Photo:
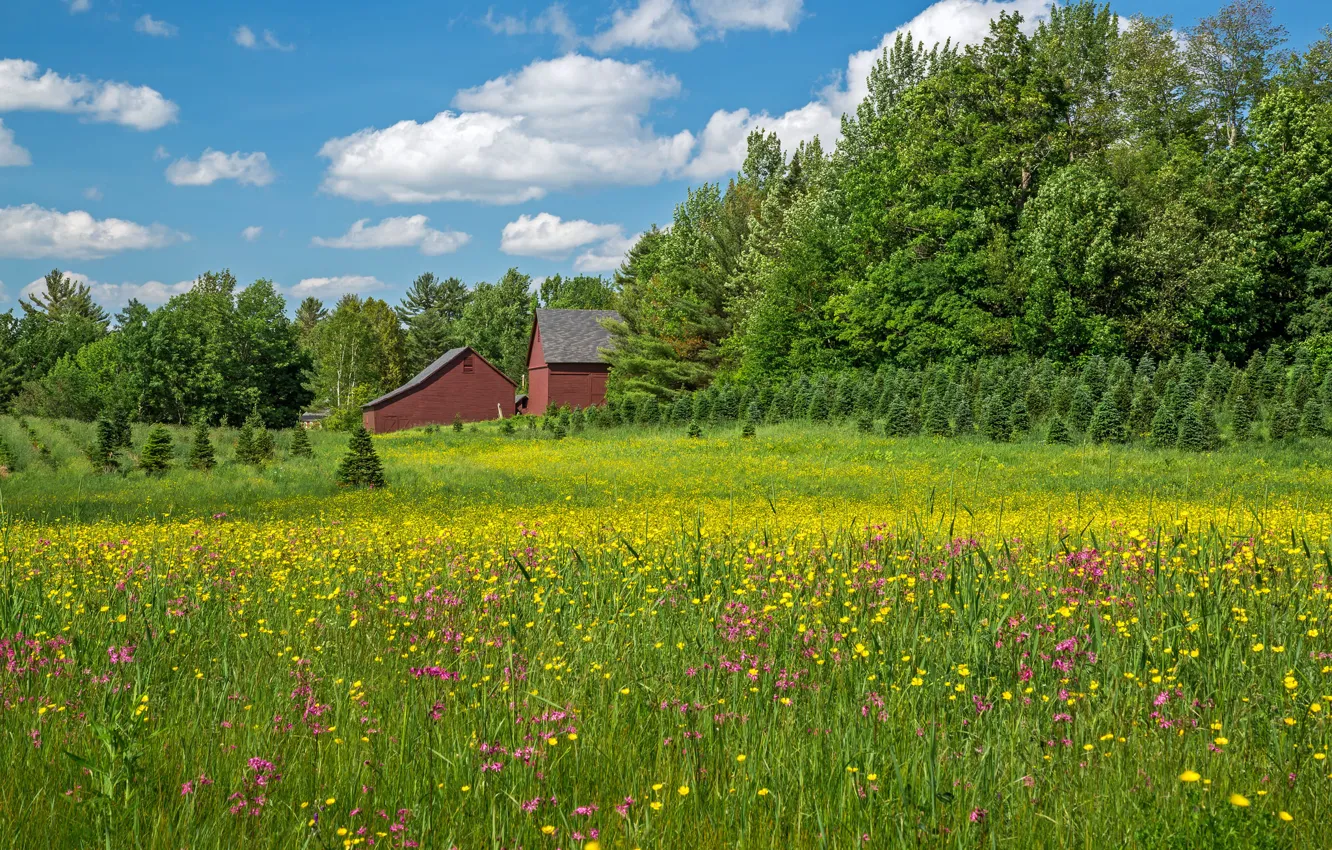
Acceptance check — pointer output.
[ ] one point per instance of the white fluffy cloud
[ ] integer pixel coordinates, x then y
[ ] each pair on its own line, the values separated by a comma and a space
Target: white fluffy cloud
245, 37
554, 124
115, 295
148, 25
401, 232
722, 15
252, 233
652, 23
549, 236
248, 169
77, 6
31, 232
554, 21
23, 88
607, 256
722, 142
331, 287
11, 153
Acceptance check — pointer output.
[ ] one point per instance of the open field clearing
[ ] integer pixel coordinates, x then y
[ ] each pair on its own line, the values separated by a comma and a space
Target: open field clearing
812, 638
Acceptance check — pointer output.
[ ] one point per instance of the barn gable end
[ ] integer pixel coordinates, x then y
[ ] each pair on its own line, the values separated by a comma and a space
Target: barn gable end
460, 384
564, 358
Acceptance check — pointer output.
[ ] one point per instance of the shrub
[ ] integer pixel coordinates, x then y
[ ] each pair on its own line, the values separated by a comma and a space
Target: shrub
1107, 426
898, 419
457, 423
7, 463
1058, 433
1285, 421
158, 452
201, 449
1165, 429
748, 431
1197, 429
300, 443
361, 467
102, 453
694, 431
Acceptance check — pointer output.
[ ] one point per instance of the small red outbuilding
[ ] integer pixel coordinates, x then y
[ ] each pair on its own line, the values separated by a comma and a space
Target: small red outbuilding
564, 365
459, 384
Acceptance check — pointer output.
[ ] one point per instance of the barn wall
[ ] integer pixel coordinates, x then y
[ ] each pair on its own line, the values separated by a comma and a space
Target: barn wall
538, 375
578, 385
476, 396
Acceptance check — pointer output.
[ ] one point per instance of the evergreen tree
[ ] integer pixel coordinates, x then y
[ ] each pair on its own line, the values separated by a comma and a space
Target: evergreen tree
1313, 422
754, 415
1106, 425
820, 404
898, 419
158, 452
1285, 420
201, 448
964, 422
7, 462
457, 423
1142, 410
681, 410
1020, 416
245, 451
694, 431
1058, 433
1081, 408
1197, 429
728, 405
1165, 428
265, 447
749, 430
936, 420
996, 419
300, 443
1242, 415
865, 424
102, 453
361, 467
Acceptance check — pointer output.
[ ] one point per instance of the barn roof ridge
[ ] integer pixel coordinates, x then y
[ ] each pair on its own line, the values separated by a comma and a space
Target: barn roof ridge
441, 363
573, 336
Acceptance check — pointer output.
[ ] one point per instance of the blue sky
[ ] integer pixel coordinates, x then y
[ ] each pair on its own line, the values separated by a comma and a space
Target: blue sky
143, 143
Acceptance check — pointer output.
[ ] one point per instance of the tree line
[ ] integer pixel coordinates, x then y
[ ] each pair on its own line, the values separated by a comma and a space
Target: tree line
221, 353
1100, 187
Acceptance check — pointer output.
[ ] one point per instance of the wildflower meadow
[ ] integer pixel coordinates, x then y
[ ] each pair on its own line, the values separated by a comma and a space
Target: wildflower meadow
814, 637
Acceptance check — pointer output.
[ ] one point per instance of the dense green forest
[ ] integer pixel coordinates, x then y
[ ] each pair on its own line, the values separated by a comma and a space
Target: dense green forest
1092, 188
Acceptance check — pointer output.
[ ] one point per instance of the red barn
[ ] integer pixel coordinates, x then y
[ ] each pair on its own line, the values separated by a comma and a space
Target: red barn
459, 384
564, 365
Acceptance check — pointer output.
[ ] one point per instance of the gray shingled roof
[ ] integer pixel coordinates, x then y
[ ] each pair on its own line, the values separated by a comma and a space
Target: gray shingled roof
574, 336
445, 360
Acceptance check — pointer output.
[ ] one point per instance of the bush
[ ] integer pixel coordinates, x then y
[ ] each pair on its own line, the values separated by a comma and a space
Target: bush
102, 453
457, 423
361, 467
898, 419
1058, 433
300, 443
201, 450
158, 452
694, 431
1197, 429
7, 463
1106, 425
749, 430
1165, 429
506, 427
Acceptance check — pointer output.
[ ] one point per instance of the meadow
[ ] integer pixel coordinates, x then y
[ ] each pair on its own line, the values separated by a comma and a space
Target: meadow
629, 638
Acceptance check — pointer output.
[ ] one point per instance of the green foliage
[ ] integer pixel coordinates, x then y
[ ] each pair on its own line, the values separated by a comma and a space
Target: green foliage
694, 431
497, 322
158, 452
1058, 432
748, 430
1197, 429
1107, 425
102, 454
361, 467
7, 462
1081, 409
897, 420
1285, 421
300, 443
254, 443
457, 423
201, 456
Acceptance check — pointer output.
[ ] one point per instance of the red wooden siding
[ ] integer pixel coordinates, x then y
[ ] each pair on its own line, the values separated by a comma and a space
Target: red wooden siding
562, 384
469, 387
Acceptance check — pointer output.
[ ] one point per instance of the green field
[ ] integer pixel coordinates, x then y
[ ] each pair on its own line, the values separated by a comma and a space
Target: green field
631, 638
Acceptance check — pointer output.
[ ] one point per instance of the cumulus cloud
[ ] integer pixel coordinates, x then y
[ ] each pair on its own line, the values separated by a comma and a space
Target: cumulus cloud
252, 233
722, 15
245, 37
148, 25
401, 232
30, 232
722, 142
11, 153
652, 23
248, 169
114, 295
606, 257
23, 88
554, 21
554, 124
331, 287
551, 237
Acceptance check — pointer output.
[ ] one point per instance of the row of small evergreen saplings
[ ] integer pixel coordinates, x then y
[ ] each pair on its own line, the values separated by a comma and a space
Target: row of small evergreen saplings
255, 446
359, 467
1184, 402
